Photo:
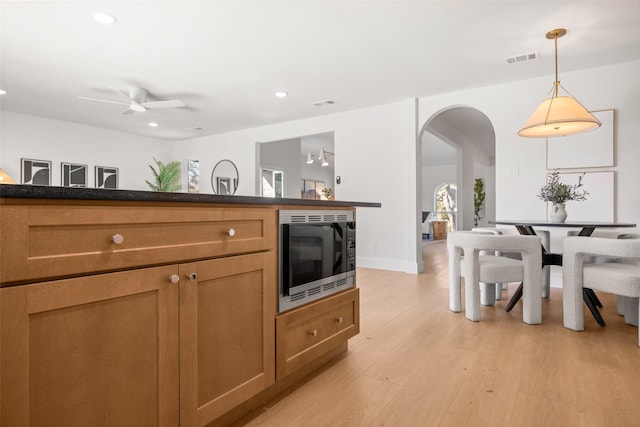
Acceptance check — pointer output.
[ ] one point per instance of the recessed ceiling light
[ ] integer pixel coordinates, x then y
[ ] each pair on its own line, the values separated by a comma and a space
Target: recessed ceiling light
281, 94
153, 124
3, 92
104, 18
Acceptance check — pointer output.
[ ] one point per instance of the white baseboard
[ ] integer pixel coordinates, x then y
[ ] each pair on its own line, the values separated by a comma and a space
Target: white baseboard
390, 264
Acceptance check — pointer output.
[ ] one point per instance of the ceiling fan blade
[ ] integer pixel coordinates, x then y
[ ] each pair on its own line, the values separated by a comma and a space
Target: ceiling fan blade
102, 100
119, 91
164, 104
128, 111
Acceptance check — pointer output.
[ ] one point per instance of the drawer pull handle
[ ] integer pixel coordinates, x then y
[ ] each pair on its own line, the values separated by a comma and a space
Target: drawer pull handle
339, 319
117, 239
231, 232
192, 276
174, 278
313, 332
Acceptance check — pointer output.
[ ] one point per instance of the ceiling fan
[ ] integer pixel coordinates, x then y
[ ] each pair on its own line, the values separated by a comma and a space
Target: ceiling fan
138, 101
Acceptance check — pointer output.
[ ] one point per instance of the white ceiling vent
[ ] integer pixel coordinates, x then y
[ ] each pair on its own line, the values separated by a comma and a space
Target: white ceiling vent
324, 102
522, 58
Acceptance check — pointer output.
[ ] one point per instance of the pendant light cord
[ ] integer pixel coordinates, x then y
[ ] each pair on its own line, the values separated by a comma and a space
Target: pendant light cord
557, 84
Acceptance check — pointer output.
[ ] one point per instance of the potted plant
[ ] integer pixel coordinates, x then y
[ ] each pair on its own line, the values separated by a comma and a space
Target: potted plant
328, 193
478, 200
558, 194
167, 176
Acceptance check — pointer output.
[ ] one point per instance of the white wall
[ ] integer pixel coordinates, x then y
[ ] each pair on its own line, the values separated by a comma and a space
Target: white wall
371, 156
24, 136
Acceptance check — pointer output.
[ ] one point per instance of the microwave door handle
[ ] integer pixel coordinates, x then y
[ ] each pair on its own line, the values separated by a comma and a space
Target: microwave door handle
285, 260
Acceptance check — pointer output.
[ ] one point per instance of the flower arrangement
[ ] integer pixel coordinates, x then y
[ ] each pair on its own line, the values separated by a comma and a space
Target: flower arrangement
556, 192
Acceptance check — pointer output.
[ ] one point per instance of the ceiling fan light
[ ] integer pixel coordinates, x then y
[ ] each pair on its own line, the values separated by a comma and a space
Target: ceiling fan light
559, 116
137, 107
309, 158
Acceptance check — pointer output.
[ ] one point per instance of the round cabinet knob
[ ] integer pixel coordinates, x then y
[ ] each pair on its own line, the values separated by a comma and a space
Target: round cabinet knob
339, 319
231, 232
192, 276
174, 278
314, 333
117, 239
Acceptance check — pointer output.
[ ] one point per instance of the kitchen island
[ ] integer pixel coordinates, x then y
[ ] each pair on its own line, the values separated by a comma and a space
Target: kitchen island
139, 308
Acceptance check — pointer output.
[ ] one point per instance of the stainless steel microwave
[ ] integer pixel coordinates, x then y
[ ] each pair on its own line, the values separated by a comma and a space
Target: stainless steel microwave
317, 255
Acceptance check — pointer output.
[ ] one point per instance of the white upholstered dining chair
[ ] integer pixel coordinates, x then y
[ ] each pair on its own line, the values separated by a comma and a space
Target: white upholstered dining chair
465, 261
621, 277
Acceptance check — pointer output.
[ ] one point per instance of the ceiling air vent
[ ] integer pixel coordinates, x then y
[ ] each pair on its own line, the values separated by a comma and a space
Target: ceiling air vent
324, 102
522, 58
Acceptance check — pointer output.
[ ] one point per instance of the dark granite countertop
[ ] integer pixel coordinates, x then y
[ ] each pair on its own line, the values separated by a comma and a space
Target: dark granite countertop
17, 191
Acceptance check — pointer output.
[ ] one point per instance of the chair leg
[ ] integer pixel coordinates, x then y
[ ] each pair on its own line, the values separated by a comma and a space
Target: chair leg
546, 281
487, 293
591, 304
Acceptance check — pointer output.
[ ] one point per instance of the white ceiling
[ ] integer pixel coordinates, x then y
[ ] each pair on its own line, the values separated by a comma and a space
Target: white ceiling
225, 60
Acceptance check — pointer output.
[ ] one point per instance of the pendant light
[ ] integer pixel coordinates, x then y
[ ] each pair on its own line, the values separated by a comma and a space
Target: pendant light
558, 115
323, 158
309, 158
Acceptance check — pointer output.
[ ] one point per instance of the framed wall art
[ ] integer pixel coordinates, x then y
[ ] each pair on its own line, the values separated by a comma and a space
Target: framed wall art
106, 177
584, 150
73, 175
600, 203
35, 172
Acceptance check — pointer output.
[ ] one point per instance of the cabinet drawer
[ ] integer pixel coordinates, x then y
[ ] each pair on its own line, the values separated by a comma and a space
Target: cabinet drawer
52, 241
310, 331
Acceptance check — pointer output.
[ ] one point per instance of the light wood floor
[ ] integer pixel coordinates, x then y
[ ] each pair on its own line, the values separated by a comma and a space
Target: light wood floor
415, 363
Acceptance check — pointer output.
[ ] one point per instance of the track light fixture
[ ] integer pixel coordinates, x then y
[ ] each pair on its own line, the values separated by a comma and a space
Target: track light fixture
323, 157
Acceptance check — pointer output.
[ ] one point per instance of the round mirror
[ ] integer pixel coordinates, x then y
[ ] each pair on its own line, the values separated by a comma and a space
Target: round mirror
224, 178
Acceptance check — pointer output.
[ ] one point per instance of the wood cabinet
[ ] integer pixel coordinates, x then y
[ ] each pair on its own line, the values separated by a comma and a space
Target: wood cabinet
306, 333
149, 314
99, 350
62, 240
227, 307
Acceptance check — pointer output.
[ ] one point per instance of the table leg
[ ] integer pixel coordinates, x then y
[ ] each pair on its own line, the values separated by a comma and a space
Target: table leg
515, 298
592, 306
590, 297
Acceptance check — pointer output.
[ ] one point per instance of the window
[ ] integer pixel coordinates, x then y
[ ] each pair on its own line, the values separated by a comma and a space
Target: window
272, 183
446, 208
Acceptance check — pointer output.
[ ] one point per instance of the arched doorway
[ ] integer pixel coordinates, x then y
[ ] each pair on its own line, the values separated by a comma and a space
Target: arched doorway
457, 145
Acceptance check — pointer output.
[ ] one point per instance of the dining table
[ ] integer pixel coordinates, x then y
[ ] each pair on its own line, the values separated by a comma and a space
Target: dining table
526, 227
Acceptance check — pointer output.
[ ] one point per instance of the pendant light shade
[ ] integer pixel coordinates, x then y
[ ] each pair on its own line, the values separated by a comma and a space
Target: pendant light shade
309, 158
558, 115
323, 158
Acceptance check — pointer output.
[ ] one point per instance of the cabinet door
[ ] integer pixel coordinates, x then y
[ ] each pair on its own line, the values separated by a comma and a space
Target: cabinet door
91, 351
227, 333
